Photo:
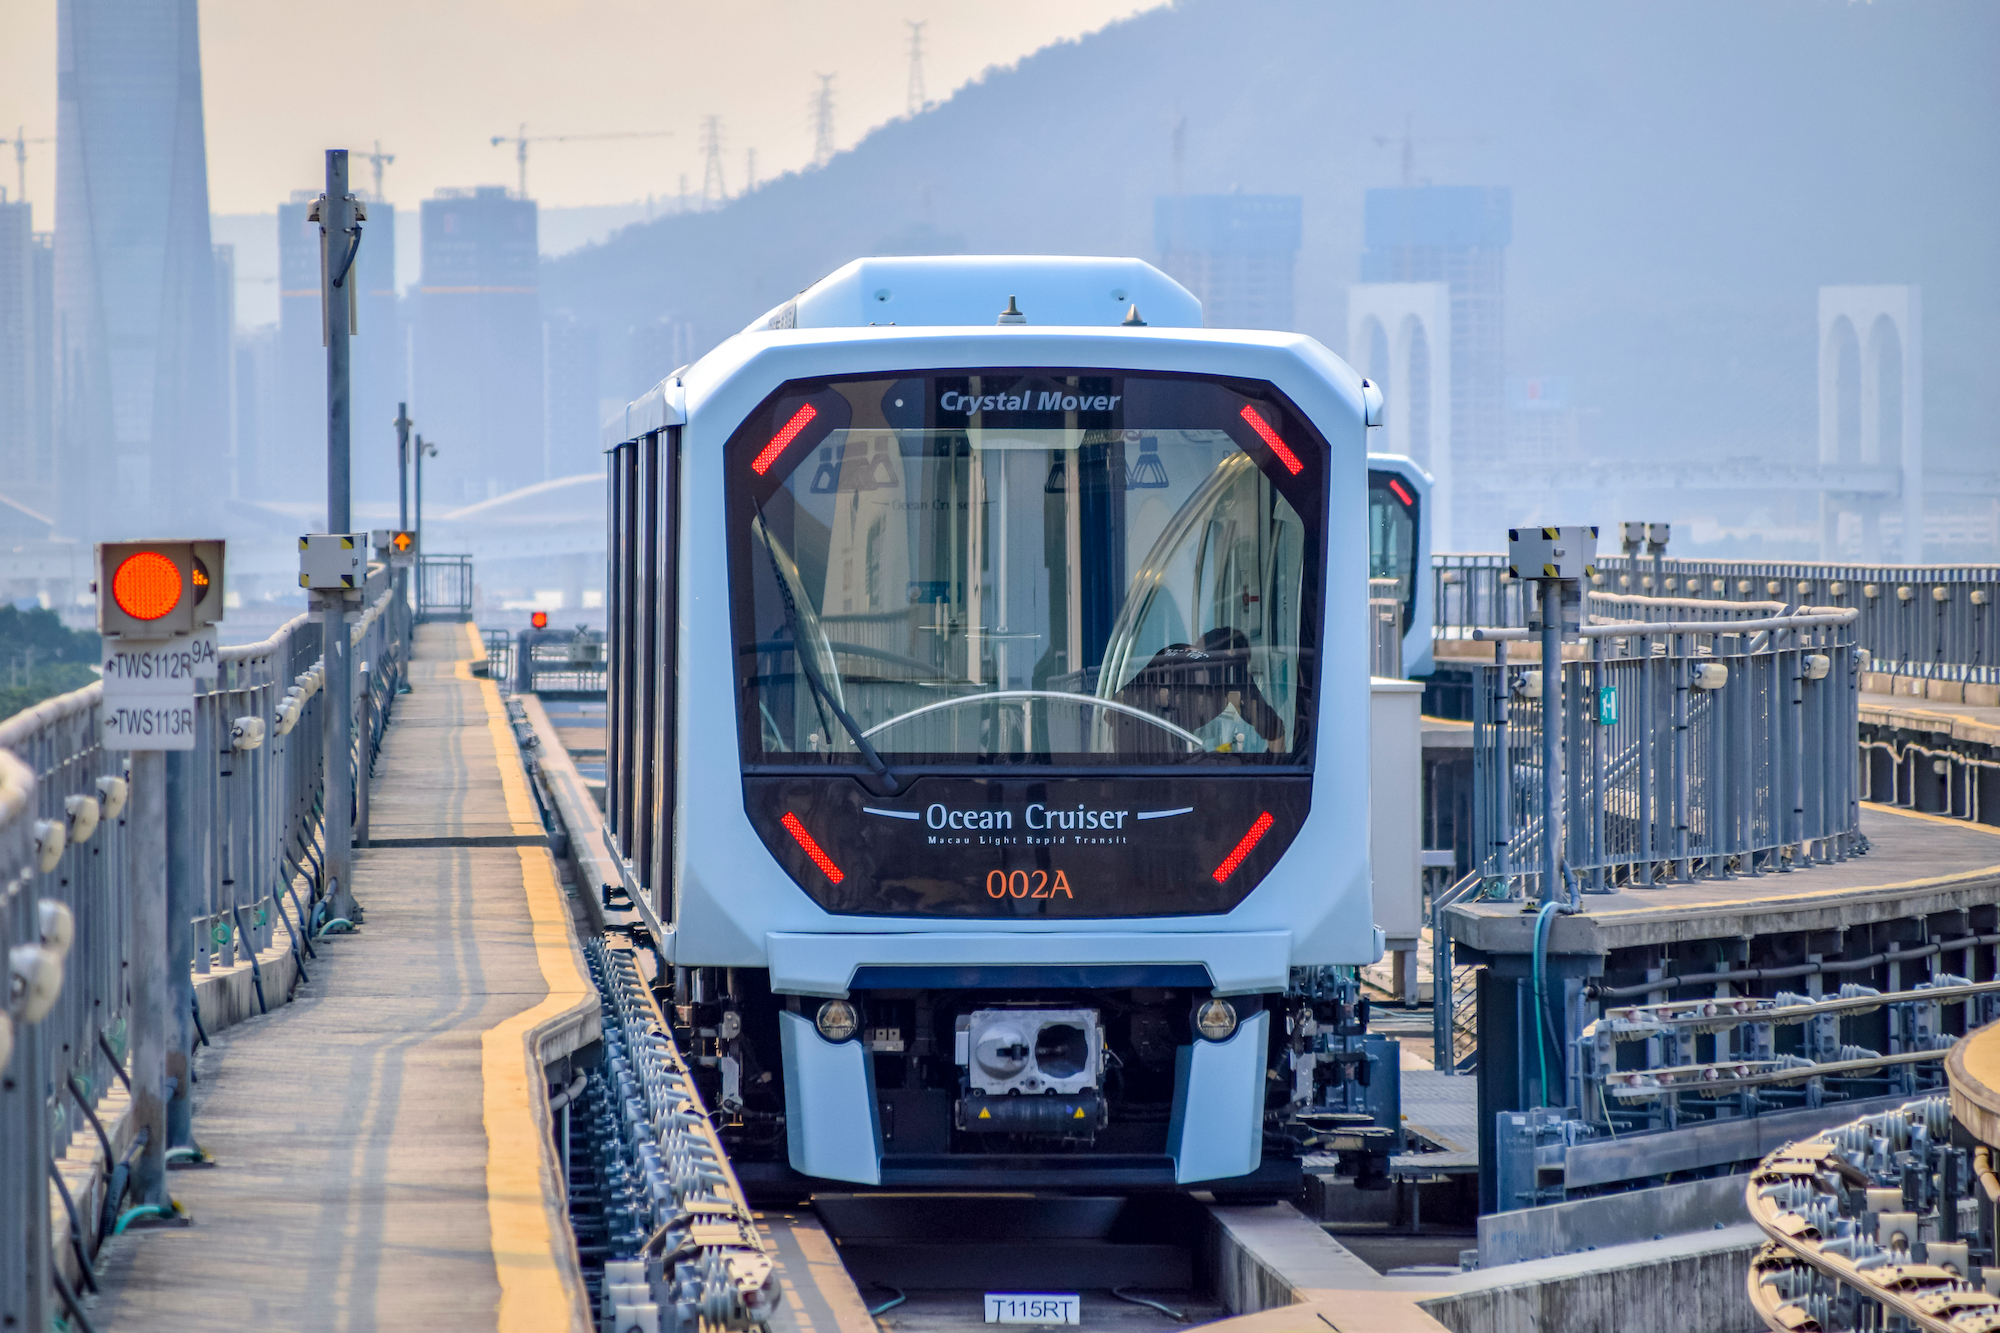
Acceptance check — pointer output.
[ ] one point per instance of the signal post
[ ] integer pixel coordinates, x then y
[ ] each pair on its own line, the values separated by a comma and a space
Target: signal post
340, 216
157, 605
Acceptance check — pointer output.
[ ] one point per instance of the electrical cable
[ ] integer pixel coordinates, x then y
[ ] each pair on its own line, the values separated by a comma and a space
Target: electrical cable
1122, 1294
75, 1228
90, 1115
1542, 919
887, 1305
69, 1299
117, 1065
353, 249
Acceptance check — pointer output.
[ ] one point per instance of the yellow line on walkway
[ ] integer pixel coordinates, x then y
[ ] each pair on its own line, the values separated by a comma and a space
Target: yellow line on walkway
513, 773
1933, 819
476, 645
533, 1251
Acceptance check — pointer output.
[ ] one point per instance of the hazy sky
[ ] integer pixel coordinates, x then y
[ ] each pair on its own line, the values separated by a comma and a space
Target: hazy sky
434, 80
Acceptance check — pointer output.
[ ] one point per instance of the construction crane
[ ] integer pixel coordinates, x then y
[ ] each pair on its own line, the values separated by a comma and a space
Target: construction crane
21, 142
378, 160
523, 139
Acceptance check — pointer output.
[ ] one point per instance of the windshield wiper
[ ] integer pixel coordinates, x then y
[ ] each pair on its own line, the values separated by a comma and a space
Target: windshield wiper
810, 667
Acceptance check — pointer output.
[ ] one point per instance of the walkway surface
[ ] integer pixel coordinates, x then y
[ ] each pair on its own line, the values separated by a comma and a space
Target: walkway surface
1916, 864
383, 1155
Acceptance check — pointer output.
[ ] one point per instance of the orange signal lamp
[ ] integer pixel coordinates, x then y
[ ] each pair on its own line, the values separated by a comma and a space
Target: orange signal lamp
147, 585
540, 620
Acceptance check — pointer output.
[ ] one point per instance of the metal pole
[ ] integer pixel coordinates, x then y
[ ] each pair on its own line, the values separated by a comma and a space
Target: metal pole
152, 992
403, 424
182, 906
1552, 720
339, 230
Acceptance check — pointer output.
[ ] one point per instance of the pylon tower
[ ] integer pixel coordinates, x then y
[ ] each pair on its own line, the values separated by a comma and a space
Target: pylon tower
713, 191
822, 115
917, 100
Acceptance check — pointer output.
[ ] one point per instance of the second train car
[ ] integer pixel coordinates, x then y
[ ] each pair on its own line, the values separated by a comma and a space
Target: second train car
988, 724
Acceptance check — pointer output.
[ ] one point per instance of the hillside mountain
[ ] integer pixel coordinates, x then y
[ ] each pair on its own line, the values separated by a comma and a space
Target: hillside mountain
1684, 176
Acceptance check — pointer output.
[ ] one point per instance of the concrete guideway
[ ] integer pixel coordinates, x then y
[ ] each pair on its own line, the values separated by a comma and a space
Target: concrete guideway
384, 1149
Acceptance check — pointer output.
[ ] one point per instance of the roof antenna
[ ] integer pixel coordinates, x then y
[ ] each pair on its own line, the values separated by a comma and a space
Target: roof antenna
1012, 314
1132, 320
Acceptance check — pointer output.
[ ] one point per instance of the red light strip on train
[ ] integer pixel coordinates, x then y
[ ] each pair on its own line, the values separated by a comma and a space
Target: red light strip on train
779, 442
1270, 437
1250, 839
820, 858
1401, 494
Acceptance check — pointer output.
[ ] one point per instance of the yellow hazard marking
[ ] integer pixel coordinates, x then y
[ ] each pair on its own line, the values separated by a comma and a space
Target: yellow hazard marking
985, 1114
513, 773
1549, 571
1551, 534
532, 1246
1079, 1113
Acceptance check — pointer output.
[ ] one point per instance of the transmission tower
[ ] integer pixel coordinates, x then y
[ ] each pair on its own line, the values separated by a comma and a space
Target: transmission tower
713, 191
822, 116
916, 95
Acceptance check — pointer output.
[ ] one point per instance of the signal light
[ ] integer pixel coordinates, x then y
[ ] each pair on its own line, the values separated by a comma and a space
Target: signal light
540, 620
147, 585
157, 590
1401, 494
1250, 839
812, 849
782, 440
1270, 437
401, 542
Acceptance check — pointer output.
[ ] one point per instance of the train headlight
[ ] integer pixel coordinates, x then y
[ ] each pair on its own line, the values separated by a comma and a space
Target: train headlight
1215, 1020
837, 1020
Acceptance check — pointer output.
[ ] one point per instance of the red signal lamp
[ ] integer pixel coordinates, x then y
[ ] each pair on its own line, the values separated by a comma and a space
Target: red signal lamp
540, 620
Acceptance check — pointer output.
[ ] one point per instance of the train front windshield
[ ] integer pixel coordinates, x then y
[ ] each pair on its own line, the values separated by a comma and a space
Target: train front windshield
1392, 536
1061, 568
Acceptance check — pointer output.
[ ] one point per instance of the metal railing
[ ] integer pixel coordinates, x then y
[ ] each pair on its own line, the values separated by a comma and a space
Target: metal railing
1937, 622
1694, 748
554, 662
444, 587
242, 814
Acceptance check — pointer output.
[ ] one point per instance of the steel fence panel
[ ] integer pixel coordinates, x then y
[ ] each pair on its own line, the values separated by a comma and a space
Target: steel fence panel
250, 792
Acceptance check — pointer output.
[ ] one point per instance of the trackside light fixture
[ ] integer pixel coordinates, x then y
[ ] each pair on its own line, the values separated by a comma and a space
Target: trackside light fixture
783, 439
812, 849
1242, 849
837, 1020
146, 585
1270, 437
157, 590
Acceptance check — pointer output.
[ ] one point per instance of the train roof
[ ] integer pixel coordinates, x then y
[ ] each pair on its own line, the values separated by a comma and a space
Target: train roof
928, 290
756, 362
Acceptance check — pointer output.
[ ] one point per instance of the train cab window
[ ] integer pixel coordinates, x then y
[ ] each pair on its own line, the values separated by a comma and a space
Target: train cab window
1392, 536
1065, 567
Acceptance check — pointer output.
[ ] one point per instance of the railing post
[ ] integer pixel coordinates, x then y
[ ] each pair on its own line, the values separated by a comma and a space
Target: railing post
1681, 669
151, 988
183, 839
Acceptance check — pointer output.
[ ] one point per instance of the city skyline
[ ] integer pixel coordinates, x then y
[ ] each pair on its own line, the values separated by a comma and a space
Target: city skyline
545, 66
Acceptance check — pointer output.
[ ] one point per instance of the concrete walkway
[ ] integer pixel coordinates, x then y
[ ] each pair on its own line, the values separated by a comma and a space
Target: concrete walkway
382, 1144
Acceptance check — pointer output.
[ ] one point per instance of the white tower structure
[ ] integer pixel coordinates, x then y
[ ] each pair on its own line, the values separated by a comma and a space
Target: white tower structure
1399, 335
1871, 412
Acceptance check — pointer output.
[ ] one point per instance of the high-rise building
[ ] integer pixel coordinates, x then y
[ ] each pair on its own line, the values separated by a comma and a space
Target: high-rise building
27, 362
1457, 235
296, 463
476, 379
571, 368
1234, 251
140, 398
